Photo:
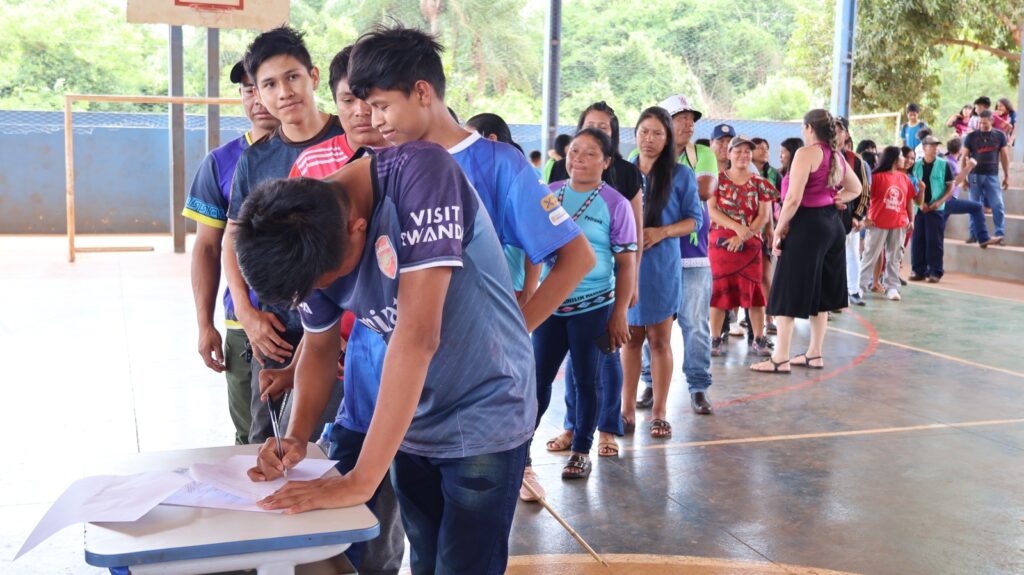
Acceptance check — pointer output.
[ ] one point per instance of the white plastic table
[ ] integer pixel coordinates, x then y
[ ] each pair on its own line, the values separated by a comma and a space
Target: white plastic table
191, 541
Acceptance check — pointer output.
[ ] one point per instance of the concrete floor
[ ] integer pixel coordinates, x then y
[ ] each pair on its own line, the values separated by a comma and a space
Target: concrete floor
904, 456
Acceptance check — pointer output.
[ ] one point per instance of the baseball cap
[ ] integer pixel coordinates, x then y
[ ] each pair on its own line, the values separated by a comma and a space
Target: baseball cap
723, 131
237, 72
930, 140
679, 103
741, 141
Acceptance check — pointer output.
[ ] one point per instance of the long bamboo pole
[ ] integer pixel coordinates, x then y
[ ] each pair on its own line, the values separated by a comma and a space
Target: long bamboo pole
565, 524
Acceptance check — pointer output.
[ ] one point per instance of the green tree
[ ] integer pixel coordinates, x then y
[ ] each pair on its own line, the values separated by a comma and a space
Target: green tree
780, 98
900, 44
78, 46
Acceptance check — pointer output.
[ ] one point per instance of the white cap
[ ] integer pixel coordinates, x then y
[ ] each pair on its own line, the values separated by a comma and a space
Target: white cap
679, 103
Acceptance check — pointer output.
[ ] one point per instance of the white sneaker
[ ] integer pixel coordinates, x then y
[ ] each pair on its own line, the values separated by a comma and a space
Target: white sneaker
892, 294
736, 330
530, 478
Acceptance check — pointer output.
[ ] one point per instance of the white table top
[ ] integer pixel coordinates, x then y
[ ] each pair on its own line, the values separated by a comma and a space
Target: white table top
171, 533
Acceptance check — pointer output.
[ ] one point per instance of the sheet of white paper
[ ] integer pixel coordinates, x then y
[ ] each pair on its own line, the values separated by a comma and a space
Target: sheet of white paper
197, 494
230, 476
105, 498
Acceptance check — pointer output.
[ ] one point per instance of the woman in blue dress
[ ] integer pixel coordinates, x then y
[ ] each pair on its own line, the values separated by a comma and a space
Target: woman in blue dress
671, 210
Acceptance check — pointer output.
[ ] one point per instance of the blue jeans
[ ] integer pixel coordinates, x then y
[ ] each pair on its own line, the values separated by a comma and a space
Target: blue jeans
458, 512
978, 227
576, 335
693, 317
384, 553
926, 245
986, 189
609, 394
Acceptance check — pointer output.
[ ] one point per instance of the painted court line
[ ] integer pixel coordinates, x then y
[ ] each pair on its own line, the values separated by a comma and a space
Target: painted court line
868, 352
874, 337
856, 432
970, 293
524, 564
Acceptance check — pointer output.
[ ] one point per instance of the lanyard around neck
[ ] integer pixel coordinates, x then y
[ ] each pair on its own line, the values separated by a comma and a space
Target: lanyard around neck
586, 203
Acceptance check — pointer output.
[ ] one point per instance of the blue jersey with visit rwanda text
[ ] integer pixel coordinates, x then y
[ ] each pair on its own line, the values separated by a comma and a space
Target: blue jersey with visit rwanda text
480, 392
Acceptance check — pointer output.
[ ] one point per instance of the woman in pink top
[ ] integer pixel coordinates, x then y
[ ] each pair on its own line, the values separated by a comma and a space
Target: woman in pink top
810, 242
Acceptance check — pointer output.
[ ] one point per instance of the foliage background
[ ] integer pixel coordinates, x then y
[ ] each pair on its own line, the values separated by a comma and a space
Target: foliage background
736, 59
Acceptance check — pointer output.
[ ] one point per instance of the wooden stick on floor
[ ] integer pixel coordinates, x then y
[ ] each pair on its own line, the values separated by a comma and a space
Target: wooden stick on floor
564, 524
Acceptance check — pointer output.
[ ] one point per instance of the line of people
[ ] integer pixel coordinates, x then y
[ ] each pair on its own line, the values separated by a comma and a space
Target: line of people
329, 228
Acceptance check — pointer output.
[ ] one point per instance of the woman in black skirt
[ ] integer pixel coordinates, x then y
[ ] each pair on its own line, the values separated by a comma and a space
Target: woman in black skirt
810, 242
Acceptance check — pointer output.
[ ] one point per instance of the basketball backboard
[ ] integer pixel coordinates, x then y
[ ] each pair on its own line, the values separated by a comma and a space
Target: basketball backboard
251, 14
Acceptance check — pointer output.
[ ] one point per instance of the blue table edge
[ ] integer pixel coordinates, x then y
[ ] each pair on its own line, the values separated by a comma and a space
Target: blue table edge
232, 548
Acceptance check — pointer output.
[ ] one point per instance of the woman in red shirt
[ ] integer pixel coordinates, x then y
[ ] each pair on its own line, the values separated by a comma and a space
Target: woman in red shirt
739, 210
890, 217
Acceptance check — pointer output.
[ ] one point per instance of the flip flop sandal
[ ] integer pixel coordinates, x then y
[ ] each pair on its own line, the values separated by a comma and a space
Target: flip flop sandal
578, 467
607, 449
807, 361
628, 426
774, 369
660, 429
559, 443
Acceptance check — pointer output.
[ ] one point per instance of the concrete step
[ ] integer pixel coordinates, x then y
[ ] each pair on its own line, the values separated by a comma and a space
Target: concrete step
957, 227
1000, 262
1013, 199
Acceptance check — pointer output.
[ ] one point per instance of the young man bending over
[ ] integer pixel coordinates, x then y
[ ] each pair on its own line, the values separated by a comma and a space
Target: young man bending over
399, 237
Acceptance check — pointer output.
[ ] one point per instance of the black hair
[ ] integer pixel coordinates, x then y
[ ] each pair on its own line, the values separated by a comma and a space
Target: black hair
983, 101
395, 58
289, 234
339, 69
824, 126
488, 123
986, 113
535, 155
864, 145
702, 142
953, 146
758, 141
659, 180
281, 41
923, 133
561, 143
905, 151
604, 108
887, 161
913, 108
791, 145
603, 141
1007, 104
870, 158
453, 115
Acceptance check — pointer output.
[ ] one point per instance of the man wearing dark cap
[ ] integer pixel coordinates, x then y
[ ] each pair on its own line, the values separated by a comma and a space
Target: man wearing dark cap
926, 246
207, 205
721, 135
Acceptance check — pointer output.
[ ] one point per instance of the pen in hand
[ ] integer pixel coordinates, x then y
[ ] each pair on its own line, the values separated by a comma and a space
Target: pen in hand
277, 433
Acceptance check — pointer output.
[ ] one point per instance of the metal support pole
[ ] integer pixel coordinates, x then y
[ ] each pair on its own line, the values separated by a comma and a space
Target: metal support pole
552, 71
212, 87
1018, 148
177, 143
842, 56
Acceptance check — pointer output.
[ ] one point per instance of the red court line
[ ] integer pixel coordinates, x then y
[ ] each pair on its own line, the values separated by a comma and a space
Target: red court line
868, 352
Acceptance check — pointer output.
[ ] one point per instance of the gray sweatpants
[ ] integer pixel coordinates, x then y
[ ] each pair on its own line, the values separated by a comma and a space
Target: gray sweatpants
878, 242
